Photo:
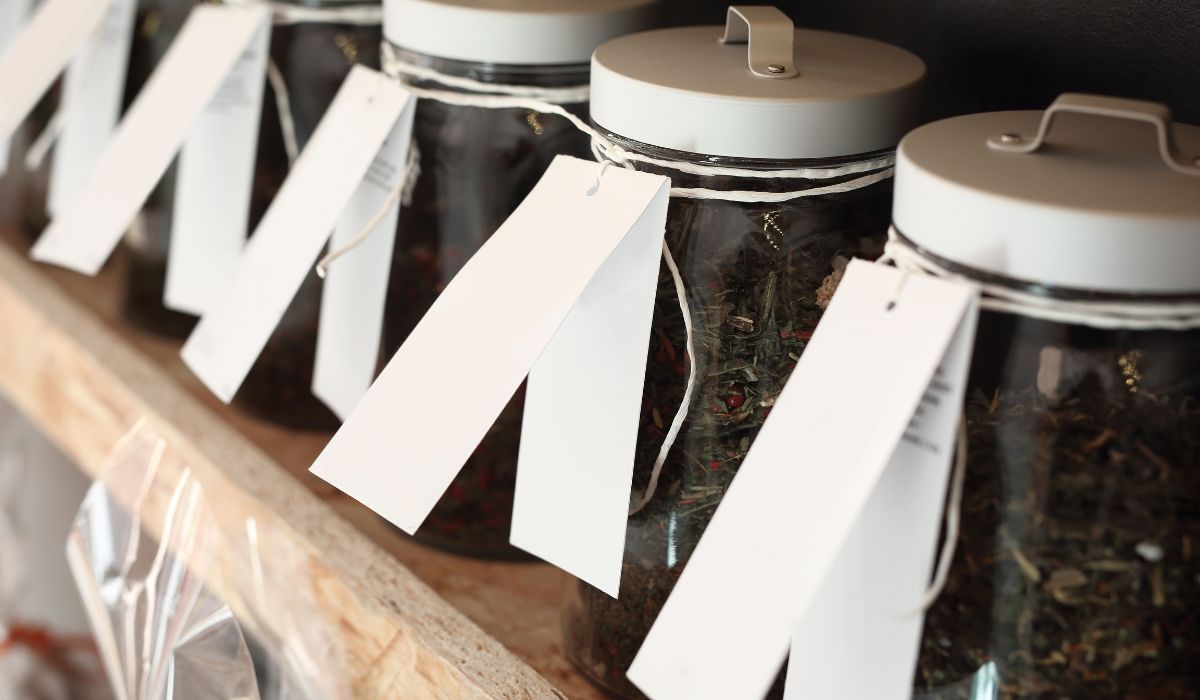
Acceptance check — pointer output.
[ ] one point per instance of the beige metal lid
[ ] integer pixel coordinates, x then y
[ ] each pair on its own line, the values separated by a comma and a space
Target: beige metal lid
514, 32
757, 88
1095, 193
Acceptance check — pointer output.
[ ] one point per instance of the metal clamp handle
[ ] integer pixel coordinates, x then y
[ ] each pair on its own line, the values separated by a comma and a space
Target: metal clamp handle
1153, 113
769, 35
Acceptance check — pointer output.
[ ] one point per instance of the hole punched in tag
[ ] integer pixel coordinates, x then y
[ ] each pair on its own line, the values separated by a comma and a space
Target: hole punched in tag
896, 292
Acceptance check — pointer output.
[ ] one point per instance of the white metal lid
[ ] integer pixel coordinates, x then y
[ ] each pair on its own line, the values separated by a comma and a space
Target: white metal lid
514, 32
761, 90
1095, 193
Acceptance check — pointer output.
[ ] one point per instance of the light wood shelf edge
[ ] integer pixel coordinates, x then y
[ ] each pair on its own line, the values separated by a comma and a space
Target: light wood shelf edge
86, 386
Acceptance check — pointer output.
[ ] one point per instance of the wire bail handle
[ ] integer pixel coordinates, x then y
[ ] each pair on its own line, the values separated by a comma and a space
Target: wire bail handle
1153, 113
769, 36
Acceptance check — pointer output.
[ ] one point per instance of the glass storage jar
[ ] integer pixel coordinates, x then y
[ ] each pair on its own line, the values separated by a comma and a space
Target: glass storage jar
312, 57
757, 274
1076, 573
476, 165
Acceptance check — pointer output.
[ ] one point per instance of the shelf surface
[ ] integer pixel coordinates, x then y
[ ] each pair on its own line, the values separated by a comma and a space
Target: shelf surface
415, 622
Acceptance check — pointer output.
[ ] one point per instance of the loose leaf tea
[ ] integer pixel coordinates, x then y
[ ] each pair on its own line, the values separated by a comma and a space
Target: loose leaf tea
1076, 573
477, 166
758, 278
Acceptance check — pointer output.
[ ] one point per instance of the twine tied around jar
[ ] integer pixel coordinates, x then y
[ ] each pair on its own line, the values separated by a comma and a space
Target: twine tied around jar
1104, 314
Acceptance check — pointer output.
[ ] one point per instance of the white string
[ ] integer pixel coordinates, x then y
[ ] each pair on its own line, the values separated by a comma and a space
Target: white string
283, 105
681, 414
1106, 315
402, 191
953, 524
399, 69
283, 13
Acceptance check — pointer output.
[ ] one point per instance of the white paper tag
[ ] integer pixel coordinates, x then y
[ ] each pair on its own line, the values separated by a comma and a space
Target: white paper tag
214, 184
478, 342
868, 605
154, 128
814, 466
31, 62
12, 18
579, 431
355, 290
282, 250
93, 89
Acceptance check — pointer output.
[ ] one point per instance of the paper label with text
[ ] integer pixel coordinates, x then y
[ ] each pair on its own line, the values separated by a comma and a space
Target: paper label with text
92, 94
868, 605
281, 252
208, 47
478, 342
32, 61
214, 184
356, 284
837, 427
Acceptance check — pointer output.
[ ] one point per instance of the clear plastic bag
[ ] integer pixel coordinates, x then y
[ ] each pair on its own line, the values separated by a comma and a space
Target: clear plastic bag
162, 572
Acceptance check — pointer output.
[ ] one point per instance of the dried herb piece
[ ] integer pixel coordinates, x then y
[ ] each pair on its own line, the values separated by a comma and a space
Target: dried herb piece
758, 277
477, 166
1076, 574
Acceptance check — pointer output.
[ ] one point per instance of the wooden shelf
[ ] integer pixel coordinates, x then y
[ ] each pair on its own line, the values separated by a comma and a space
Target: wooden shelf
414, 622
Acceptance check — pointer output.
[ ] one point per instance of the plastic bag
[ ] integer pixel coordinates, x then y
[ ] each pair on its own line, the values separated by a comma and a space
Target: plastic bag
149, 554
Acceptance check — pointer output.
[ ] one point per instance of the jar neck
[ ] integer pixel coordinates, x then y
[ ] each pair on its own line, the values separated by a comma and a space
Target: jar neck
728, 182
1043, 290
548, 76
669, 154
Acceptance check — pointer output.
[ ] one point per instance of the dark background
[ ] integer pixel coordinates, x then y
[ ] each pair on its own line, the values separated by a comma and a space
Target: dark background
986, 55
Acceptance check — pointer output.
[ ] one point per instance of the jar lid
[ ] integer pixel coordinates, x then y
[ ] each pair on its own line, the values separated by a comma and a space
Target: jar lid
757, 88
1095, 193
513, 32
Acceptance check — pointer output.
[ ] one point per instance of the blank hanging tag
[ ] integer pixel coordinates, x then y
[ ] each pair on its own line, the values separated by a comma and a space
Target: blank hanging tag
282, 250
470, 353
83, 236
355, 289
13, 14
92, 94
214, 184
805, 482
39, 53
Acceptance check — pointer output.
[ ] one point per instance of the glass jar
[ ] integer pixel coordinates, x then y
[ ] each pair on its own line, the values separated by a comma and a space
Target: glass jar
1075, 573
477, 165
758, 276
313, 59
